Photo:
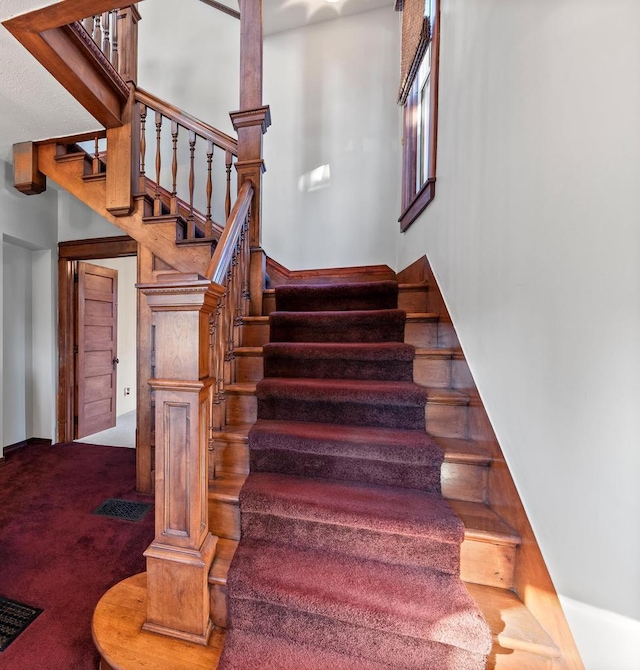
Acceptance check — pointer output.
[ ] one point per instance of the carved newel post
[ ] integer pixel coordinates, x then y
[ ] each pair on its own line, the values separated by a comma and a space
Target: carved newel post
180, 556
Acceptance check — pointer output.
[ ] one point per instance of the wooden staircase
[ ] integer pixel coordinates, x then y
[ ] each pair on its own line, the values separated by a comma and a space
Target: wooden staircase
212, 366
491, 551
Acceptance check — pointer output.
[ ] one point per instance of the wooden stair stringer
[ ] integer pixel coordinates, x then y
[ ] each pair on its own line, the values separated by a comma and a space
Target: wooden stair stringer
532, 582
160, 239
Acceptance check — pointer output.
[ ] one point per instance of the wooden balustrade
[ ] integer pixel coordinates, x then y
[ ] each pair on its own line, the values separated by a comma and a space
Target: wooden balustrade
114, 32
189, 168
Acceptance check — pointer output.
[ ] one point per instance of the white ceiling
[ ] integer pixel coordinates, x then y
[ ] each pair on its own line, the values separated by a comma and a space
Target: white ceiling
33, 105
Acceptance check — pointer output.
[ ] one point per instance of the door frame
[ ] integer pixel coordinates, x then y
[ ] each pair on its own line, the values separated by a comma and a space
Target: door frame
68, 254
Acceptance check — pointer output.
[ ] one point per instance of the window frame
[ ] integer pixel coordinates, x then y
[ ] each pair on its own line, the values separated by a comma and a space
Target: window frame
415, 200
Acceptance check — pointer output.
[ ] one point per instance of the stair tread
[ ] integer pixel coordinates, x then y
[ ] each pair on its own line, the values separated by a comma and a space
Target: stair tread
483, 524
247, 351
513, 625
384, 509
444, 396
434, 352
405, 445
367, 593
417, 317
226, 487
225, 551
459, 450
241, 388
234, 432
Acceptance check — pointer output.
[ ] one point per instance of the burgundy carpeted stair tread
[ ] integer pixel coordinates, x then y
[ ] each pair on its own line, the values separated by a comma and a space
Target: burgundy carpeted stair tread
391, 361
391, 457
331, 297
338, 589
244, 650
356, 326
395, 525
354, 402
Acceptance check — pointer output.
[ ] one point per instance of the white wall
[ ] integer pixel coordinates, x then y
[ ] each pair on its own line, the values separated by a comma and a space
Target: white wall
28, 229
190, 57
127, 339
332, 89
76, 221
534, 236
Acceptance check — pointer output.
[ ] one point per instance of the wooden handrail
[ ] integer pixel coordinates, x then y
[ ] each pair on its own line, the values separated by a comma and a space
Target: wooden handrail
189, 122
219, 264
222, 8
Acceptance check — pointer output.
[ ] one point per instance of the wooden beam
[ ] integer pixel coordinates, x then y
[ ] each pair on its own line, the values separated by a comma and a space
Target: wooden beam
27, 178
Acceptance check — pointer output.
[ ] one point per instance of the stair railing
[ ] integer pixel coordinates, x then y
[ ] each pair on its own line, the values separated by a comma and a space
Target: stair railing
162, 127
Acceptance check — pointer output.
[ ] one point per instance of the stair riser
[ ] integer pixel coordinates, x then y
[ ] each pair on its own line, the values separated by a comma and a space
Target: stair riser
344, 413
356, 332
412, 299
347, 638
255, 334
218, 604
432, 372
357, 542
401, 371
241, 408
249, 368
488, 564
422, 335
461, 481
224, 519
461, 377
347, 469
268, 303
446, 420
231, 457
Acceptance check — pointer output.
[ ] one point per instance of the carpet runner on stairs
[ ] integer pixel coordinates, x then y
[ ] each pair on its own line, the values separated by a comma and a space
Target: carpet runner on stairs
349, 557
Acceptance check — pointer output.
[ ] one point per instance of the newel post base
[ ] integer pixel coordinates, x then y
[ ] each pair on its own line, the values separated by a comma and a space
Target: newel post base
180, 557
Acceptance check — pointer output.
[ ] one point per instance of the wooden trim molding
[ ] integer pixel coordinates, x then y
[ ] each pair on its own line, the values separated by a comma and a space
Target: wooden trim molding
68, 254
533, 583
222, 8
415, 200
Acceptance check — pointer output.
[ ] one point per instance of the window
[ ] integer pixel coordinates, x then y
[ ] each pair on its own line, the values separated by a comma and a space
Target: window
419, 94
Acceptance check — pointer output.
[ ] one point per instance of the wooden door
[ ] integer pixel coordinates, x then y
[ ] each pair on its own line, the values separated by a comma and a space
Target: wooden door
96, 364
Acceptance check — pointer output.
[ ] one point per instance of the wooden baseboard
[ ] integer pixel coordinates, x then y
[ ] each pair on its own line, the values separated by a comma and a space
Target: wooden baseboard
533, 583
31, 442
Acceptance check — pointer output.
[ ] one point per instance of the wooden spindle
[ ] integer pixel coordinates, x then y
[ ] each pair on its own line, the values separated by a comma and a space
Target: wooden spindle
191, 224
97, 30
174, 168
115, 58
227, 200
143, 147
96, 156
157, 204
106, 40
208, 220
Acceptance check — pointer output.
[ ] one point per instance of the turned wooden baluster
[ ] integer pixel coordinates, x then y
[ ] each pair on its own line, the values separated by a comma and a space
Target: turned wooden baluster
143, 147
227, 201
191, 223
157, 204
106, 40
246, 252
97, 30
208, 221
114, 40
174, 168
95, 167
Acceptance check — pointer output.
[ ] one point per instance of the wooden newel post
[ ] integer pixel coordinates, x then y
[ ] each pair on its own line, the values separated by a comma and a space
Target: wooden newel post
179, 558
251, 122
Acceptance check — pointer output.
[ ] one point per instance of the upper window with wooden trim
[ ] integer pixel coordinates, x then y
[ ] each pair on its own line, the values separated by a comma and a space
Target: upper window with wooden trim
419, 97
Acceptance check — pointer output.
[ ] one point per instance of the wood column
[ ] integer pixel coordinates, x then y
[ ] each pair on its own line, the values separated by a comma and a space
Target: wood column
251, 122
179, 559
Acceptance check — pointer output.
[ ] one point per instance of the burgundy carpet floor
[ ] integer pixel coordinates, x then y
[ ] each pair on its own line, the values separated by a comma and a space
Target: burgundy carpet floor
349, 557
56, 555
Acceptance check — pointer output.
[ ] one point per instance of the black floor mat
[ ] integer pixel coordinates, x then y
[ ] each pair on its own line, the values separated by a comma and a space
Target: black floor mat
123, 509
14, 618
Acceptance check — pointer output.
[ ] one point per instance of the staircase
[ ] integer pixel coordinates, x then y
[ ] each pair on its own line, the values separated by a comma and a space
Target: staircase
217, 363
490, 546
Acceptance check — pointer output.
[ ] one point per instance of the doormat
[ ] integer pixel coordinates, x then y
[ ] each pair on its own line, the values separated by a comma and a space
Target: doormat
14, 618
123, 509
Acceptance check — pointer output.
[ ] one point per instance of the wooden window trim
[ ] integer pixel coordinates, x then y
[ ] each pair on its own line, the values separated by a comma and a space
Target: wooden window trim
414, 202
